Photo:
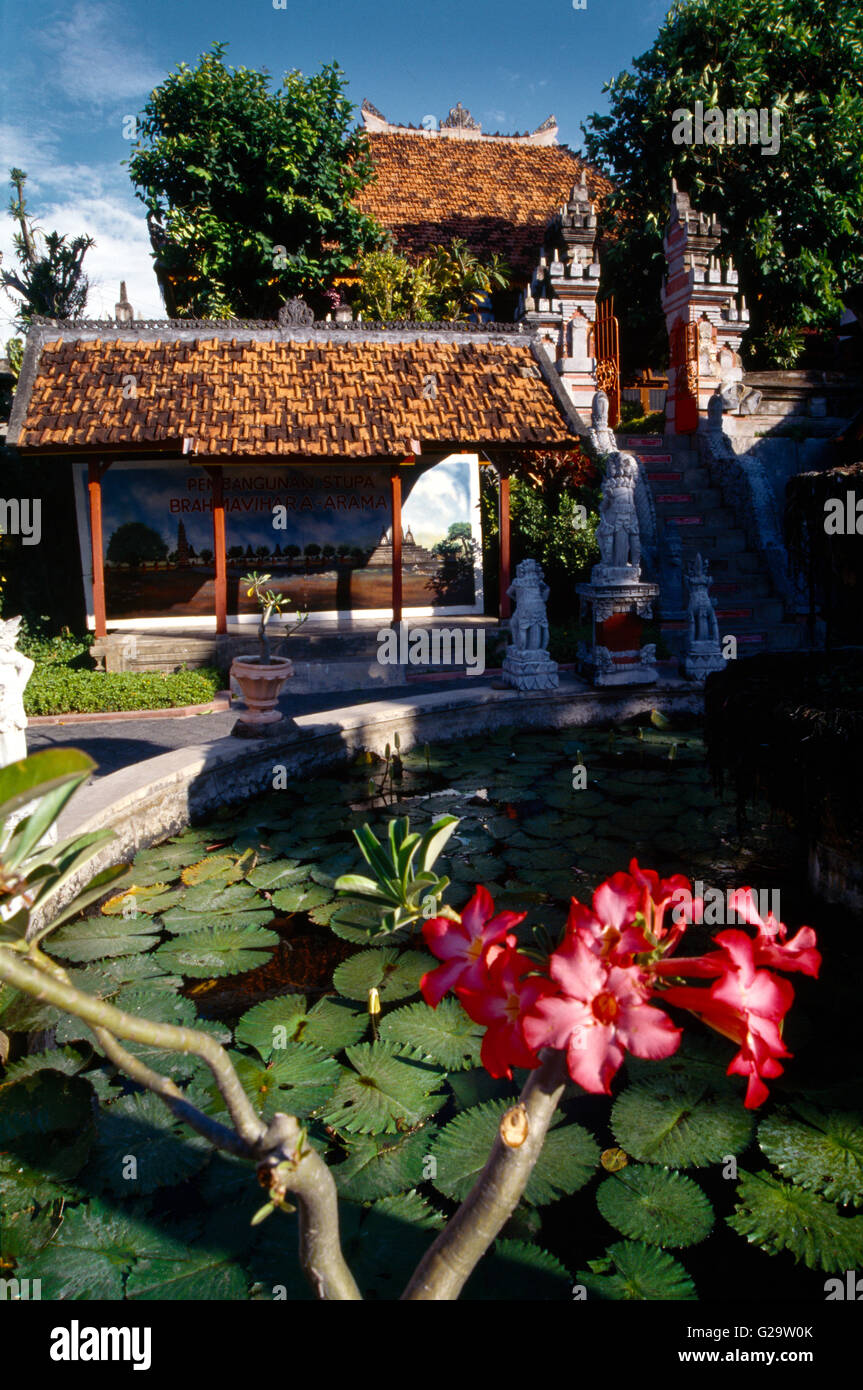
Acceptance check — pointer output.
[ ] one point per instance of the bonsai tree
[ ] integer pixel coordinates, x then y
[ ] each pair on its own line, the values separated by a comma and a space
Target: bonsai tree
269, 601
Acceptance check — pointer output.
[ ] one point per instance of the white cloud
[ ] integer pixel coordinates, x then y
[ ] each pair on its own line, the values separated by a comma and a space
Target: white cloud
98, 55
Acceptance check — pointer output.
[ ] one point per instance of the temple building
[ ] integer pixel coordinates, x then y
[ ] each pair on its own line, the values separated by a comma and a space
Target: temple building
315, 451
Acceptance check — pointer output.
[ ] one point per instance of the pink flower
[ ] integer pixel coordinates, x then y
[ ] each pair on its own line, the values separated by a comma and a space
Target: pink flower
600, 1010
746, 1005
508, 991
462, 946
771, 947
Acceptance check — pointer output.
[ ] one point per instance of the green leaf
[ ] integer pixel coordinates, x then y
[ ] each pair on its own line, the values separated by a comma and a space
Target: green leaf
217, 897
655, 1206
42, 1102
97, 936
57, 1059
218, 951
387, 1090
395, 975
299, 1080
278, 873
633, 1271
141, 1147
680, 1122
35, 1172
445, 1034
222, 867
410, 1207
433, 842
93, 1248
189, 1274
381, 1167
302, 897
58, 770
331, 1024
515, 1270
178, 921
568, 1159
822, 1151
776, 1215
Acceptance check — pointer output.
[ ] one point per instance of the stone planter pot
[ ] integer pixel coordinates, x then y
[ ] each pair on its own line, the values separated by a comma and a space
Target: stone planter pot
261, 687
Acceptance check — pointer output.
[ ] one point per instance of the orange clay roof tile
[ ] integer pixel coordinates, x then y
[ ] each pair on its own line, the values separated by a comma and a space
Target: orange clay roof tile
496, 195
294, 398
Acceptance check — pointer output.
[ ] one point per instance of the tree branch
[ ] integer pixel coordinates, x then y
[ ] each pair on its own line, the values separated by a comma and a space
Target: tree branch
299, 1169
451, 1259
218, 1134
23, 975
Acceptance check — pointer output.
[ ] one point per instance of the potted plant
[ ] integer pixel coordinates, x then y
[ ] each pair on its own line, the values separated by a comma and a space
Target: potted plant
263, 678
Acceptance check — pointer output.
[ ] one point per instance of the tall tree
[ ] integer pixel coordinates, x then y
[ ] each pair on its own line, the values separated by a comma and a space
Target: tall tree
792, 218
249, 192
50, 279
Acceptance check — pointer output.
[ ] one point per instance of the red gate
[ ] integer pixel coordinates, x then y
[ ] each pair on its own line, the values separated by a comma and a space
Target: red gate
605, 347
684, 360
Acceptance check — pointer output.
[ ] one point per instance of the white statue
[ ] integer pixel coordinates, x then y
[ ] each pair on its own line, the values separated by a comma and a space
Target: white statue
601, 437
618, 533
529, 626
15, 671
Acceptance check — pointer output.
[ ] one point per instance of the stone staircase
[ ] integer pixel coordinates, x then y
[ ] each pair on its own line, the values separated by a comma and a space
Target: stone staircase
685, 495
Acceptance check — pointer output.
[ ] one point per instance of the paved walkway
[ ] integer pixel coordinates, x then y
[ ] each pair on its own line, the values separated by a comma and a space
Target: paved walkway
116, 744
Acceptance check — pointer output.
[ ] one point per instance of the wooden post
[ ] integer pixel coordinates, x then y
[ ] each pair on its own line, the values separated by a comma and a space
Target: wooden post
95, 471
505, 605
396, 500
219, 548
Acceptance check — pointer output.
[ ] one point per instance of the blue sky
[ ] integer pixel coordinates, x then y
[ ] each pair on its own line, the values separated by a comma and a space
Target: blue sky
74, 70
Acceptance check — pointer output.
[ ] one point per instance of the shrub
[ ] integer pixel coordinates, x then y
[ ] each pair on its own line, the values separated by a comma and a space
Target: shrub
55, 689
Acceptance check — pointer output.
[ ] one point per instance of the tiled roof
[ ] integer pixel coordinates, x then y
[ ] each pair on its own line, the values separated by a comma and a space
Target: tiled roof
496, 195
310, 397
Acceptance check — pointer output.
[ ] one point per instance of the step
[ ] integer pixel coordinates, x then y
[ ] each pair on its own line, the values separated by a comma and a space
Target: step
702, 499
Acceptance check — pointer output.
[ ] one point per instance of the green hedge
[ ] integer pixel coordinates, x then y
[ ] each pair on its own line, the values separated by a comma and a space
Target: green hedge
55, 689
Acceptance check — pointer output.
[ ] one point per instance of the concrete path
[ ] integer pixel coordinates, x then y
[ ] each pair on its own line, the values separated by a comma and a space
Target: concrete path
117, 744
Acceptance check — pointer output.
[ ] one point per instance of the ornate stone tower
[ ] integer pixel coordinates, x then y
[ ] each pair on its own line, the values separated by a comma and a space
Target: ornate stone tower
705, 315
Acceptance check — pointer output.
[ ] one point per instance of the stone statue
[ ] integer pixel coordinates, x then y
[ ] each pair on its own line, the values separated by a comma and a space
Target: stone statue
617, 533
703, 647
15, 671
527, 664
529, 626
601, 437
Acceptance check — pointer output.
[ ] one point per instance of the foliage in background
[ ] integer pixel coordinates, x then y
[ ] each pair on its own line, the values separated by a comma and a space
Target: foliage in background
51, 280
792, 219
451, 283
249, 192
54, 688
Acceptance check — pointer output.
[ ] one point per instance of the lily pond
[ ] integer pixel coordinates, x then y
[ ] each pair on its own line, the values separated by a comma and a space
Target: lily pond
669, 1189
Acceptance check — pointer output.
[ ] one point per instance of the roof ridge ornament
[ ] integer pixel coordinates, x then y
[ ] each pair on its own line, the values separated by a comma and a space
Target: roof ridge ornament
295, 313
459, 118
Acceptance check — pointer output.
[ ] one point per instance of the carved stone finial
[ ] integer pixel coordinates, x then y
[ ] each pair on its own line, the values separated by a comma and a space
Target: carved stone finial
123, 311
460, 119
295, 313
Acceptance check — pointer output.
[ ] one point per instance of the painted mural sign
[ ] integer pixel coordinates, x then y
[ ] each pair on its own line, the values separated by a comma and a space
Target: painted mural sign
324, 534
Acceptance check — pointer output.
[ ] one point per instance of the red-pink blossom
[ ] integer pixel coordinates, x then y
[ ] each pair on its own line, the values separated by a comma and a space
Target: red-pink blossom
600, 1011
462, 945
509, 990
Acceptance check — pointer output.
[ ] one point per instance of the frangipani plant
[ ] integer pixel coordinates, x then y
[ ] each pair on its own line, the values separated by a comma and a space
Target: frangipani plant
269, 601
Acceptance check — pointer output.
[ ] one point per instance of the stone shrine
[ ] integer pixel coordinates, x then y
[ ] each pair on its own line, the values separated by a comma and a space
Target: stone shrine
527, 664
618, 597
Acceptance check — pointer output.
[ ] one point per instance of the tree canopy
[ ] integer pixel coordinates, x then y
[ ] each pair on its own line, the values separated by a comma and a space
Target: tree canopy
249, 191
792, 219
